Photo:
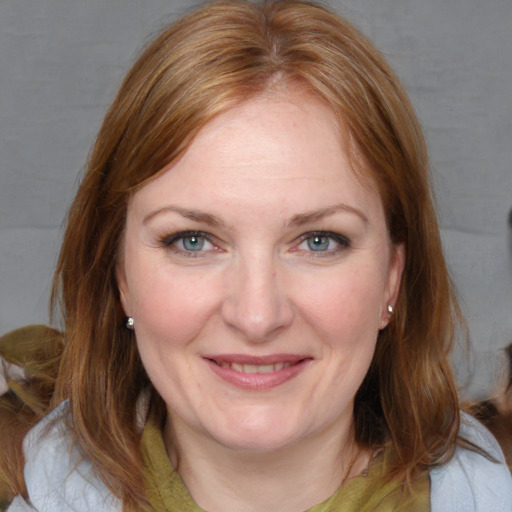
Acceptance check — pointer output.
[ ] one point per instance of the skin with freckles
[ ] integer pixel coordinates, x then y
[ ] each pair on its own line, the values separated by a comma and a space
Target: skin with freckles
258, 269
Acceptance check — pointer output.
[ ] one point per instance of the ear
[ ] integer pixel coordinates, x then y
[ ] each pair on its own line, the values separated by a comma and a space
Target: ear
396, 267
122, 286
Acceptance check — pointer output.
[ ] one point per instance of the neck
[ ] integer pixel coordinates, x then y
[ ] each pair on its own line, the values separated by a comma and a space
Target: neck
291, 479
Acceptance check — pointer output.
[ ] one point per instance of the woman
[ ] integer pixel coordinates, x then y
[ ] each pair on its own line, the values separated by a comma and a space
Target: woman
257, 311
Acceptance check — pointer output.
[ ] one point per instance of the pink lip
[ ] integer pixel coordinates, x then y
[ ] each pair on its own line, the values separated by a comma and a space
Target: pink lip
295, 364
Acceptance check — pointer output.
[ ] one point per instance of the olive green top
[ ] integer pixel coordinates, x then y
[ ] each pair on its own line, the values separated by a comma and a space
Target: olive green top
167, 492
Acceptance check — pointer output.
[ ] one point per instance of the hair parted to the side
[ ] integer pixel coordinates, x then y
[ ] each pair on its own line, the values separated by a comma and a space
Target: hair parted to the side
198, 67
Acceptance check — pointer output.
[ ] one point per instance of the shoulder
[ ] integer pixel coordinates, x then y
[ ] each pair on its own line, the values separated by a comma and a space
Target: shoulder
57, 476
470, 482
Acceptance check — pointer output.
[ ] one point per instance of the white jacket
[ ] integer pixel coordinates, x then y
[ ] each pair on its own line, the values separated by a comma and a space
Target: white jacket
58, 481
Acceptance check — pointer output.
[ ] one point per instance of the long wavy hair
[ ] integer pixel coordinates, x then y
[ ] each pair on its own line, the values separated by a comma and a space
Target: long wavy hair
205, 63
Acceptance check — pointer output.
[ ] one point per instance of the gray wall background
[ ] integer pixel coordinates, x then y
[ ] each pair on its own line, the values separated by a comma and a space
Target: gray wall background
61, 62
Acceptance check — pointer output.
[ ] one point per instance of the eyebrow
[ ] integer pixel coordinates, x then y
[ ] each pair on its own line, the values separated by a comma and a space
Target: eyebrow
316, 215
297, 220
194, 215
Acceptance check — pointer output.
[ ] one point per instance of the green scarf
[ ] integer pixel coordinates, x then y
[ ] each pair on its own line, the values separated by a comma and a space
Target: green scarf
167, 492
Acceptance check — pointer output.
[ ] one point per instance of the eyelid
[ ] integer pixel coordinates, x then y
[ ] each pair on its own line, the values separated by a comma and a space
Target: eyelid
328, 234
167, 241
343, 241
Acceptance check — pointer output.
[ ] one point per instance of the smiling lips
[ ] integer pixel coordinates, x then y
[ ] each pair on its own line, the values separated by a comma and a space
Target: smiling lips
257, 373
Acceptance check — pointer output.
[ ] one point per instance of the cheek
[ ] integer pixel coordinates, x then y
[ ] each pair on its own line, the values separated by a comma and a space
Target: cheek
346, 306
171, 306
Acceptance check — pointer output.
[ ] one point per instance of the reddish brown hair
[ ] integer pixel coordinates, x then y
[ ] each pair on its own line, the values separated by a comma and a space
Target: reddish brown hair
205, 63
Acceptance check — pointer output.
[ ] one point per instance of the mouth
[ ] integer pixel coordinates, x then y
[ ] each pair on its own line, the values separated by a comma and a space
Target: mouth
254, 368
257, 373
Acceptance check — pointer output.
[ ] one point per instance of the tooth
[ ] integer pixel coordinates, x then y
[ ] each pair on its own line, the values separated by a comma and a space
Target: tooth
237, 367
255, 368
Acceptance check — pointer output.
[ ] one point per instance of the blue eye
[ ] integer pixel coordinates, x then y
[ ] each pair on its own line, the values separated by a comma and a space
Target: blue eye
193, 242
188, 242
323, 243
318, 243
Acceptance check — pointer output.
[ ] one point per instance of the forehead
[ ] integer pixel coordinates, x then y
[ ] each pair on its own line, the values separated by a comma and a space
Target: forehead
272, 147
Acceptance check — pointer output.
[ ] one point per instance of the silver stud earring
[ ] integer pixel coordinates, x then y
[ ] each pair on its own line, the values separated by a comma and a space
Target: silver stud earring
130, 323
390, 309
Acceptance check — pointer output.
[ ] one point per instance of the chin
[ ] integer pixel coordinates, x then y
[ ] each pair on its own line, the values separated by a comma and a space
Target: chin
257, 436
257, 442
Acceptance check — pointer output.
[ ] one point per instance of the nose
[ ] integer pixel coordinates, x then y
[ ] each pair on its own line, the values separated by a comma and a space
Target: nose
256, 304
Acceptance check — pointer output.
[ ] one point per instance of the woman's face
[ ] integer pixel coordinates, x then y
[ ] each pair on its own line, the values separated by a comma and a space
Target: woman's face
258, 270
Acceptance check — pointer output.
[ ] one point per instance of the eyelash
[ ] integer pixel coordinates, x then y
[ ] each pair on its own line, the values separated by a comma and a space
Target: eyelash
168, 241
342, 243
